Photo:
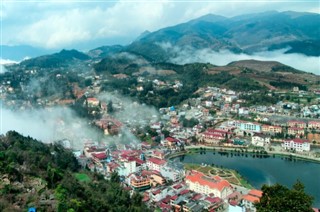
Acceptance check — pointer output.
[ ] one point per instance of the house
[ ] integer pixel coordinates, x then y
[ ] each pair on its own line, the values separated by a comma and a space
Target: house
171, 142
271, 129
98, 158
155, 164
249, 199
215, 136
297, 144
259, 139
300, 124
314, 124
172, 172
297, 131
200, 183
248, 126
92, 102
139, 182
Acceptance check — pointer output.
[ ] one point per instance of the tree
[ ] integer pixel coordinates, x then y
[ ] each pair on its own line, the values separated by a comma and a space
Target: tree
115, 178
110, 107
280, 198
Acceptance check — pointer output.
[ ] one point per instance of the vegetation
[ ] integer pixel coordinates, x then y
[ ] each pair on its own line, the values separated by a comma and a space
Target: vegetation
51, 170
280, 198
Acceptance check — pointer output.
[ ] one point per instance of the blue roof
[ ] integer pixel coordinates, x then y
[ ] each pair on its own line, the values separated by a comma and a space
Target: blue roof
172, 108
32, 210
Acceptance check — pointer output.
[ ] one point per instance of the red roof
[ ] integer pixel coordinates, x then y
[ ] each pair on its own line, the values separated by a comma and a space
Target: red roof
156, 192
297, 140
184, 192
250, 198
197, 197
157, 161
174, 197
99, 156
213, 200
295, 128
92, 99
170, 139
255, 192
214, 183
296, 122
177, 186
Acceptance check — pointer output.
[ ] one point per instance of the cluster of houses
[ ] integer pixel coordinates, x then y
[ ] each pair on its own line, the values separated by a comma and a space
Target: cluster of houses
165, 184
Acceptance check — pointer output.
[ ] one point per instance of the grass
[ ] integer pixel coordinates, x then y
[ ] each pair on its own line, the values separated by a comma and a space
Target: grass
231, 175
242, 181
83, 177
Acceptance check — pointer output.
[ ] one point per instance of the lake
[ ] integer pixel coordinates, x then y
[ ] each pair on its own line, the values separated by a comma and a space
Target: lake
259, 171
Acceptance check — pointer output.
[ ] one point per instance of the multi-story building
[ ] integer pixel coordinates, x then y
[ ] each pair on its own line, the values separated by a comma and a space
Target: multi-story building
297, 131
300, 124
139, 182
314, 124
155, 164
300, 145
259, 139
271, 129
249, 199
203, 184
248, 126
172, 172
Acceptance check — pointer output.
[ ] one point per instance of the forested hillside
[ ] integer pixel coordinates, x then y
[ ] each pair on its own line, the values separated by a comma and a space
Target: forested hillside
48, 178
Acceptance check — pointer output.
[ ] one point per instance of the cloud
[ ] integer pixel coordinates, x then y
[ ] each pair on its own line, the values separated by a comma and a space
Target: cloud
48, 125
4, 62
57, 24
190, 55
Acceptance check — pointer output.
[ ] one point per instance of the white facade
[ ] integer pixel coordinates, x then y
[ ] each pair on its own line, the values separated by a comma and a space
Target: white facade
260, 140
155, 164
205, 189
296, 144
172, 174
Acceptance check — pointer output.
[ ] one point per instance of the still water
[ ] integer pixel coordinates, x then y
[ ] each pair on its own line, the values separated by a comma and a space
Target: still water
259, 171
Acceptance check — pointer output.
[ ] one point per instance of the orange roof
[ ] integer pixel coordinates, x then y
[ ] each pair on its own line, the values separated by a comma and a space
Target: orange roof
250, 198
214, 183
255, 192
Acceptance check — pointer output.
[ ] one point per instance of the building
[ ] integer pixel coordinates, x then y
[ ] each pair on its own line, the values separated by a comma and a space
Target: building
314, 124
259, 139
200, 183
172, 172
300, 124
92, 102
252, 197
248, 126
297, 144
271, 129
155, 164
139, 182
297, 131
215, 136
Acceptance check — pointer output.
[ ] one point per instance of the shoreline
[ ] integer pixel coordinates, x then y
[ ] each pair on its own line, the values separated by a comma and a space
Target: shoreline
190, 149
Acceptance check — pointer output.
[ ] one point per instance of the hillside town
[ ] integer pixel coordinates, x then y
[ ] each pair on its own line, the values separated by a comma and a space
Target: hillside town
218, 119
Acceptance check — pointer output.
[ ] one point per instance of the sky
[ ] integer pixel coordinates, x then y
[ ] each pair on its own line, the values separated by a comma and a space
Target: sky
88, 24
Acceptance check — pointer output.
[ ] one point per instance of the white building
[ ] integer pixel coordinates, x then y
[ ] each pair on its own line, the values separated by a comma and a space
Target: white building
260, 139
300, 145
155, 164
203, 184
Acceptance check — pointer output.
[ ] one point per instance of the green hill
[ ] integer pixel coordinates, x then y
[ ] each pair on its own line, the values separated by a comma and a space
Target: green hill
48, 178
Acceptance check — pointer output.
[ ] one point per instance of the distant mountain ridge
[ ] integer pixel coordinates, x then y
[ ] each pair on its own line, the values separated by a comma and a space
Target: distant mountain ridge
55, 60
299, 32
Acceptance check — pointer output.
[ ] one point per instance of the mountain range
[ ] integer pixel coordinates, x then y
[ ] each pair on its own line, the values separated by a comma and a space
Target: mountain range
246, 34
297, 32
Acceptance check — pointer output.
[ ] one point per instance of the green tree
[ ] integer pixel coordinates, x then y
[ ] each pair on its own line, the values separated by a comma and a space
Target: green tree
115, 177
280, 198
110, 107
